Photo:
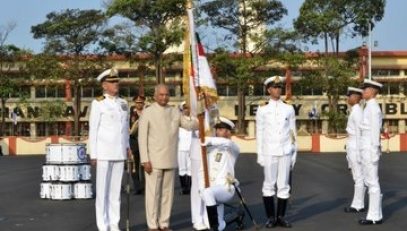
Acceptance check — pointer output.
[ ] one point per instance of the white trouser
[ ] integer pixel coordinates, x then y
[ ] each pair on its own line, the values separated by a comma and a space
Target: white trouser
277, 172
198, 209
108, 186
217, 195
354, 161
371, 178
184, 163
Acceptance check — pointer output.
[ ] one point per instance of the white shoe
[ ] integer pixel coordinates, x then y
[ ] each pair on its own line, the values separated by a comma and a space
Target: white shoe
200, 226
114, 228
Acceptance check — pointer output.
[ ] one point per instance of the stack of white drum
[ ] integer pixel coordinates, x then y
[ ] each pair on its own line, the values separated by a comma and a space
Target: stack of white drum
66, 173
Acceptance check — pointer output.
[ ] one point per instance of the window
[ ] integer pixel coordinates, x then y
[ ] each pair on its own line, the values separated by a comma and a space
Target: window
391, 89
259, 90
50, 128
87, 92
385, 72
222, 90
23, 91
40, 92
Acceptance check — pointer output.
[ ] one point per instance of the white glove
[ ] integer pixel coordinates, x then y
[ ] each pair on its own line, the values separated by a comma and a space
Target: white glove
260, 159
206, 143
293, 160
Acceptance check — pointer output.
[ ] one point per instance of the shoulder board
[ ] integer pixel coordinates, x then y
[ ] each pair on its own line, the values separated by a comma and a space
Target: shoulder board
289, 102
100, 98
264, 103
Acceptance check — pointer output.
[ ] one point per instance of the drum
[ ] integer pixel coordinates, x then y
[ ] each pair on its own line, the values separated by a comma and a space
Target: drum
84, 172
73, 153
83, 190
53, 154
61, 191
50, 172
46, 190
69, 173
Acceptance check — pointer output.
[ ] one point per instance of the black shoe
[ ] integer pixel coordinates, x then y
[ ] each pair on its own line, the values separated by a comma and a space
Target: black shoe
281, 207
270, 223
138, 192
283, 222
213, 217
270, 213
353, 210
370, 222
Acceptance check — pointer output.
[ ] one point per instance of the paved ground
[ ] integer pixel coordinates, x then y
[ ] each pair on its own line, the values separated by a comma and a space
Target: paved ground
322, 187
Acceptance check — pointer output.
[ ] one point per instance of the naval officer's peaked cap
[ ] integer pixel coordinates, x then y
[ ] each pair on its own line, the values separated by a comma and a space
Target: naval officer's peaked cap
109, 75
225, 123
354, 90
274, 81
371, 83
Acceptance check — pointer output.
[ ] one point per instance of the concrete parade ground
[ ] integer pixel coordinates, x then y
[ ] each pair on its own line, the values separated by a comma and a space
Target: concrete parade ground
322, 187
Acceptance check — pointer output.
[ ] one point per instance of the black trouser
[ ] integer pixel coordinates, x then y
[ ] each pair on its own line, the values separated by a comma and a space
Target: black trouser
138, 173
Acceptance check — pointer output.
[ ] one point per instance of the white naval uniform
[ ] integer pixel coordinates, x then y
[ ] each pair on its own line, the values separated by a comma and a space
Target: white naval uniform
222, 156
108, 142
198, 209
370, 153
353, 155
276, 147
184, 148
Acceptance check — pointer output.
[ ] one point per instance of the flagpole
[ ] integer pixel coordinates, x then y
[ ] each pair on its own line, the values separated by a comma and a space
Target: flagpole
199, 94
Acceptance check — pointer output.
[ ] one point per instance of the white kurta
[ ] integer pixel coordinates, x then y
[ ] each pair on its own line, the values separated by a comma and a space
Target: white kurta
371, 151
108, 142
353, 155
222, 156
276, 146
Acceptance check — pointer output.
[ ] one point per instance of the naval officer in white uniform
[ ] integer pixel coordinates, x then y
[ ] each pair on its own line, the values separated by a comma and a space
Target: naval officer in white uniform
353, 149
276, 150
184, 149
371, 151
109, 148
222, 156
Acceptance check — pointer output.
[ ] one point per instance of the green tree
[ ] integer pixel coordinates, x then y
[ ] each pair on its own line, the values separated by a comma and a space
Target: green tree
72, 32
9, 66
159, 21
242, 20
330, 19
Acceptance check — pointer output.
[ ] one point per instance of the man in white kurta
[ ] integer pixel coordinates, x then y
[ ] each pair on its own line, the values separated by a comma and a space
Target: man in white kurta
222, 156
353, 154
158, 142
276, 150
371, 151
109, 147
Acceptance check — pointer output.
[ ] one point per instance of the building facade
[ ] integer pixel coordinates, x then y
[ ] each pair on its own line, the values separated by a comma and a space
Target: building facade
25, 118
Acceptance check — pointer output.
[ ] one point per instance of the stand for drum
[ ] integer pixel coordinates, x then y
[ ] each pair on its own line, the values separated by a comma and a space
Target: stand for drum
66, 173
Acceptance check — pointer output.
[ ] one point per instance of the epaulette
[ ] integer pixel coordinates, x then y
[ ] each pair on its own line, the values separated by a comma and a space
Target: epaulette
100, 98
289, 102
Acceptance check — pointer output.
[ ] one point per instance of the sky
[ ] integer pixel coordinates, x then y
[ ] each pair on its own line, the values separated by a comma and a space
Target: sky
389, 33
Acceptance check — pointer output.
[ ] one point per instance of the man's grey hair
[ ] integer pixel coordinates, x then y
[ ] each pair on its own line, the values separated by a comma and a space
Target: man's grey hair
158, 87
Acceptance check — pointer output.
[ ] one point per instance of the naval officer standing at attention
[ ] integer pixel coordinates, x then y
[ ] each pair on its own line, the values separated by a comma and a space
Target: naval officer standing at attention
109, 148
276, 150
158, 141
371, 151
353, 150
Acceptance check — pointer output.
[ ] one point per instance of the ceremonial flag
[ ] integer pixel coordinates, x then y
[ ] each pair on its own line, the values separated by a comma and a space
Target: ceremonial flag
197, 76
